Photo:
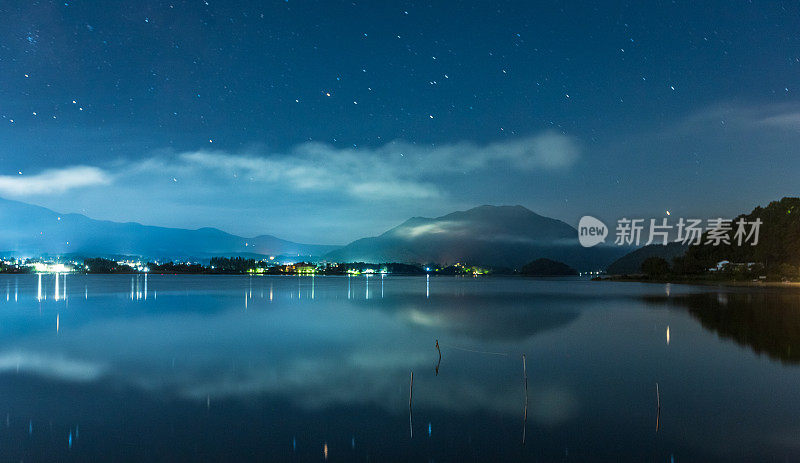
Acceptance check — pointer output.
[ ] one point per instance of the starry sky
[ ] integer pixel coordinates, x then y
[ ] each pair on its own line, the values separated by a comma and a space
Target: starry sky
327, 121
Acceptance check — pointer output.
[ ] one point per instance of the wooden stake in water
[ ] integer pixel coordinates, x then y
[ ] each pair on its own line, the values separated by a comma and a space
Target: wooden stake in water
658, 407
410, 396
658, 398
440, 357
525, 411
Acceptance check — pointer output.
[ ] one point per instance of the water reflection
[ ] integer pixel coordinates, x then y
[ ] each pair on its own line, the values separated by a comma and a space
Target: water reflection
316, 361
496, 316
320, 352
768, 322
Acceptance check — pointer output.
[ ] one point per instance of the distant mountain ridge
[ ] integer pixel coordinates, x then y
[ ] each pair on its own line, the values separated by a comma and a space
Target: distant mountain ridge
491, 236
631, 263
496, 236
26, 229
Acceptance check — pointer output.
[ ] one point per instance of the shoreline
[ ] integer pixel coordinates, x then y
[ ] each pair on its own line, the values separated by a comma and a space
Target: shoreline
726, 283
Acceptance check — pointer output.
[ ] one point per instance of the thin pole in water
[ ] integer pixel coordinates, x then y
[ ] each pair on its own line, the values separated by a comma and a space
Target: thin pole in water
440, 357
658, 398
658, 407
410, 396
525, 412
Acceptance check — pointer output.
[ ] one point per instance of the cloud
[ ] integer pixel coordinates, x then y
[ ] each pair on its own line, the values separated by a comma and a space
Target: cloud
53, 181
411, 232
396, 170
753, 117
790, 120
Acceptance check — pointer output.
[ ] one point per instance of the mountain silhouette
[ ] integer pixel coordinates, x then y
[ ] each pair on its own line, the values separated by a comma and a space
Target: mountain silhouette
495, 236
28, 230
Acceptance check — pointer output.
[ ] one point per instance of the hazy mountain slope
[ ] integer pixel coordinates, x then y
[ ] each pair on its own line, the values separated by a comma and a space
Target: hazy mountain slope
500, 236
632, 262
32, 230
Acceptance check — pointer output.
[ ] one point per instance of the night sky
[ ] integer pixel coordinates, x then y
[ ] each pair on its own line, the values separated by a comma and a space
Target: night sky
329, 121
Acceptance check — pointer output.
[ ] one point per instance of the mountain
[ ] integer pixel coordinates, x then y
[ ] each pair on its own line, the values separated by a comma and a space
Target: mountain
776, 238
496, 236
547, 268
631, 263
27, 230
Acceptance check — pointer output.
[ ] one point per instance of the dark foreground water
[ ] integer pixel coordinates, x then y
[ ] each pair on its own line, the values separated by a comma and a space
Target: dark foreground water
299, 368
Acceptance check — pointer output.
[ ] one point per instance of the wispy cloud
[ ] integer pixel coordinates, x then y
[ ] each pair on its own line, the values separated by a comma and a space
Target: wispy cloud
53, 181
397, 169
748, 117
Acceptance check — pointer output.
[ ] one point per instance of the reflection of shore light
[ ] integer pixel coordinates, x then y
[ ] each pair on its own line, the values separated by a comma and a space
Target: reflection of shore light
667, 334
325, 450
41, 267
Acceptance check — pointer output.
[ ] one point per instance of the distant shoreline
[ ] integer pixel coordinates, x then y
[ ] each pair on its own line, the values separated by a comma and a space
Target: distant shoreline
436, 274
699, 282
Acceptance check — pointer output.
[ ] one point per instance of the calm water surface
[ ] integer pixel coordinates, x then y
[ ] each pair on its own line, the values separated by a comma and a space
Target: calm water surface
307, 368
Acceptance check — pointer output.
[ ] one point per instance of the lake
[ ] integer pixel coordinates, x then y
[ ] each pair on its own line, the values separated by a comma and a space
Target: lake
271, 368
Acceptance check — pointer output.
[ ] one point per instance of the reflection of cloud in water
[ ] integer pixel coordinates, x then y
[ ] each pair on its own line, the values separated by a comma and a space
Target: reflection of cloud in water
311, 382
314, 356
552, 405
50, 366
316, 384
497, 317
